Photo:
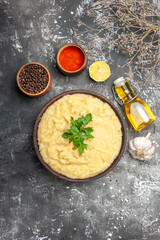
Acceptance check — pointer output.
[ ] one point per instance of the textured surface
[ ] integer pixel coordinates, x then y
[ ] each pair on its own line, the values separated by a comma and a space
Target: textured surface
35, 205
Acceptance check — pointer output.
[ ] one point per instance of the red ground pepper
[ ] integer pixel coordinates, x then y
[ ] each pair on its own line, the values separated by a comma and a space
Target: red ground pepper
71, 58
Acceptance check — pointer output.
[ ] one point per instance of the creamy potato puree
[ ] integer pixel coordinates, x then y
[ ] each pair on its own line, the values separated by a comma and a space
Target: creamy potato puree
60, 155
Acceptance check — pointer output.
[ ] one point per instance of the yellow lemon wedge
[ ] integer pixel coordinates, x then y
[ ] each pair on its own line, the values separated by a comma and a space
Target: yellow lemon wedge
99, 71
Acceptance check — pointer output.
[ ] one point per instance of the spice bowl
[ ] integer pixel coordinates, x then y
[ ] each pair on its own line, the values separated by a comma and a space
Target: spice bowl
71, 59
34, 79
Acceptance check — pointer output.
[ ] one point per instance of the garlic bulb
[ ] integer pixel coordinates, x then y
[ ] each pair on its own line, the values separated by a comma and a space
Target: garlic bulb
142, 148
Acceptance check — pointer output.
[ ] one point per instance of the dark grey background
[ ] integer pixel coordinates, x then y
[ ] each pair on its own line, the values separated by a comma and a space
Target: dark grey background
35, 205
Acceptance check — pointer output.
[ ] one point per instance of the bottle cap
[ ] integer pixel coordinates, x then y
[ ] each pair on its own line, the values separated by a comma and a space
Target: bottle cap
119, 80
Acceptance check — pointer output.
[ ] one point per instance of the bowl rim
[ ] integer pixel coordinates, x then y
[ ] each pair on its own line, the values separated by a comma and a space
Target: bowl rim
84, 65
47, 88
102, 98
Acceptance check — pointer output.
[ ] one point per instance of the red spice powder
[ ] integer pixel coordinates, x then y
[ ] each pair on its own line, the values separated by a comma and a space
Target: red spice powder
71, 58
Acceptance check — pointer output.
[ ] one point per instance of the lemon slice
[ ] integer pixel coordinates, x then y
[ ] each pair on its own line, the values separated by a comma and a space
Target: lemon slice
99, 71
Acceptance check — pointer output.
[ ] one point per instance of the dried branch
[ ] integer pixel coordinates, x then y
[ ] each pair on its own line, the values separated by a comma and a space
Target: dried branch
131, 27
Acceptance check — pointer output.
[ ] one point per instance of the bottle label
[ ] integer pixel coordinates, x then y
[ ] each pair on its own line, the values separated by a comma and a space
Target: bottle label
139, 113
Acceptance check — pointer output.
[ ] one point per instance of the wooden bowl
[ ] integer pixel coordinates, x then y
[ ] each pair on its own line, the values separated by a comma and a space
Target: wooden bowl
102, 98
76, 72
41, 92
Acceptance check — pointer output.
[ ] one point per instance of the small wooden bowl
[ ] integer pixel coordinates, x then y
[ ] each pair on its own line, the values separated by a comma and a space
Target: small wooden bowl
81, 69
35, 141
40, 93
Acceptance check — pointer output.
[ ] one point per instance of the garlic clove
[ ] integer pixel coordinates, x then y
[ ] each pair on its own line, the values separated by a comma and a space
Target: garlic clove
147, 157
139, 142
151, 151
134, 155
131, 145
148, 144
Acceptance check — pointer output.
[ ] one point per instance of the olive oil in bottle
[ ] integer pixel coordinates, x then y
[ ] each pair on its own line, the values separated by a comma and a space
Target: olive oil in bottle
137, 111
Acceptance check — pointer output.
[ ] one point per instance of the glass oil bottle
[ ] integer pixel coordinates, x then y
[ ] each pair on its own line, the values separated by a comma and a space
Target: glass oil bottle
137, 111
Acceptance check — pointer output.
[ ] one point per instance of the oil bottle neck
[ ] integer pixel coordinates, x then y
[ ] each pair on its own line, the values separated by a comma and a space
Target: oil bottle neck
124, 91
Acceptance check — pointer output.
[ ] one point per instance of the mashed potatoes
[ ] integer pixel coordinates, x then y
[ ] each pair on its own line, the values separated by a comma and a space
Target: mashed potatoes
60, 155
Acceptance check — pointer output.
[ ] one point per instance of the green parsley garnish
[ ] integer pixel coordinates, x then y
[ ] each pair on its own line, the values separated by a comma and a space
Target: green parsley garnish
78, 132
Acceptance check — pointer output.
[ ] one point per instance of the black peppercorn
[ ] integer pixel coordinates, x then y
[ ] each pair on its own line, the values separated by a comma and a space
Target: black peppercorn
33, 78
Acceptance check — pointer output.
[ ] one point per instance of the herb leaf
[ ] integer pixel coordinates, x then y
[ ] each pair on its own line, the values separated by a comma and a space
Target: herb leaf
66, 135
78, 132
88, 118
80, 150
88, 129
